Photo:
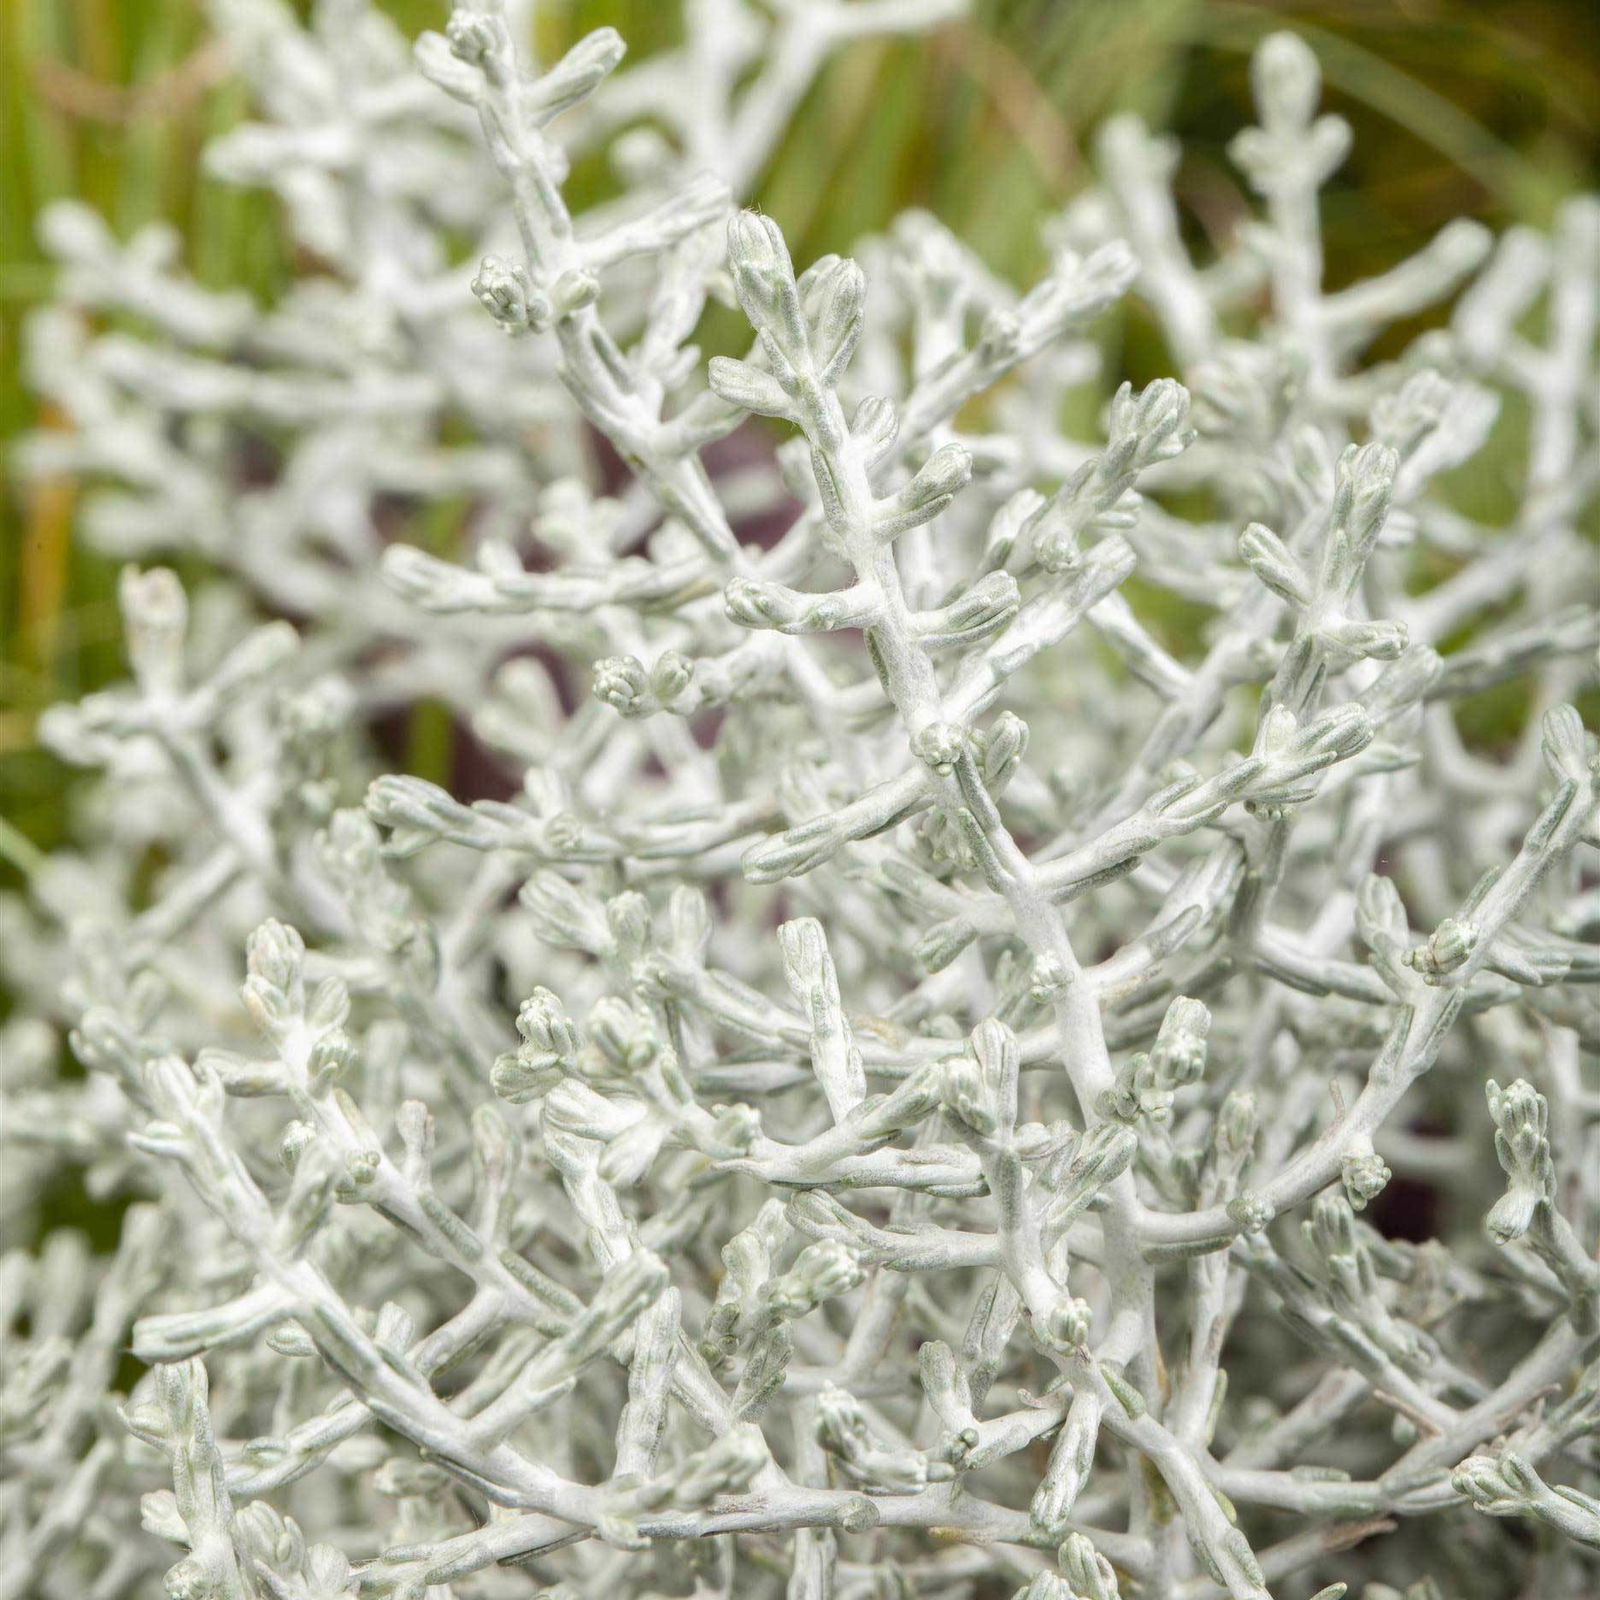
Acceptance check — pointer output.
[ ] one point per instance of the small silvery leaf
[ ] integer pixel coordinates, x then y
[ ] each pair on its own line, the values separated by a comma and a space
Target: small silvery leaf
1287, 82
746, 386
577, 74
155, 615
937, 482
875, 427
1521, 1141
1266, 555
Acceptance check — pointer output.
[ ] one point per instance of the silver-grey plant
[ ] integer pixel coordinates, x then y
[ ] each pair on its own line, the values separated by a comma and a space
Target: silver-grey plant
969, 1033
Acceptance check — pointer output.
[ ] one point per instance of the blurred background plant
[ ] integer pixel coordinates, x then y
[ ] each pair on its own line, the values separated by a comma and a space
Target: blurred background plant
1461, 108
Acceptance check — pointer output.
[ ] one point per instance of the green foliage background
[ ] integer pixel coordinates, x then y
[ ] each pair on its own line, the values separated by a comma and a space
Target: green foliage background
1461, 107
